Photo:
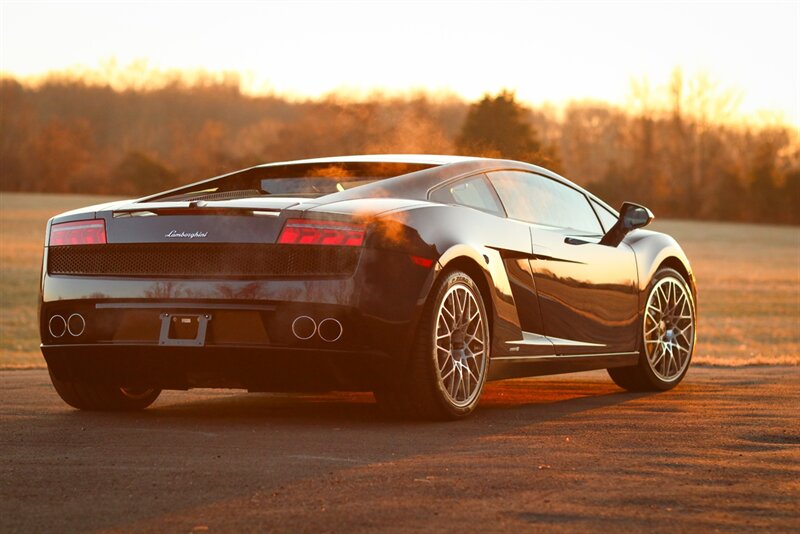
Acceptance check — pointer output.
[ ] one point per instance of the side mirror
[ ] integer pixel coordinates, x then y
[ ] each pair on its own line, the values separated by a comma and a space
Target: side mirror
634, 216
631, 216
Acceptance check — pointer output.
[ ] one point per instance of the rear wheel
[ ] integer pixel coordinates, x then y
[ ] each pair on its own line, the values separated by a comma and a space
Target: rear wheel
102, 397
668, 336
449, 361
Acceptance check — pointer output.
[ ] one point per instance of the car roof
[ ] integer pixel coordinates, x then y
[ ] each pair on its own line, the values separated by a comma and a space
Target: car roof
441, 169
421, 159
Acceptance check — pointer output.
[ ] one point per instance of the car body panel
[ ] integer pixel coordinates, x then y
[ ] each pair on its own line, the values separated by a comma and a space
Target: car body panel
588, 293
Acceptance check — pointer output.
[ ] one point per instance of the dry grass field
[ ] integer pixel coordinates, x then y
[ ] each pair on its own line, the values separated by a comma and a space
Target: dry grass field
22, 221
748, 279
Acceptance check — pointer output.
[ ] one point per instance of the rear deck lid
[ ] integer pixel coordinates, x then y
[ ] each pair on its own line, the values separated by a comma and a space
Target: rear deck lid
253, 220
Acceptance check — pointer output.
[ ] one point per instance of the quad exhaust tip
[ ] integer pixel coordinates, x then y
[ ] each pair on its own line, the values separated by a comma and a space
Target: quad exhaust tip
328, 329
76, 324
57, 326
304, 327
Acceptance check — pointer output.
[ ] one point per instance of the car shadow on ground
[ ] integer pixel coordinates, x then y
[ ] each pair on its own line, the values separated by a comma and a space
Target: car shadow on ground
511, 401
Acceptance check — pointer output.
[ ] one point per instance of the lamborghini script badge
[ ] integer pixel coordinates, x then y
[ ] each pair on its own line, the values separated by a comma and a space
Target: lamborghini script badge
190, 235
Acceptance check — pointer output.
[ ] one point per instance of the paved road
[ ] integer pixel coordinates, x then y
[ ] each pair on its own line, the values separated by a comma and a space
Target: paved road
561, 454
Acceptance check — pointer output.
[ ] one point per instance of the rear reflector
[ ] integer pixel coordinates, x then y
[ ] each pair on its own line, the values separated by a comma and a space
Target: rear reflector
422, 262
311, 232
78, 233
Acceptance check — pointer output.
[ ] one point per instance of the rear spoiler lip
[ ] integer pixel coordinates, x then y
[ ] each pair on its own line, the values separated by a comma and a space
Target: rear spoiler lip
224, 211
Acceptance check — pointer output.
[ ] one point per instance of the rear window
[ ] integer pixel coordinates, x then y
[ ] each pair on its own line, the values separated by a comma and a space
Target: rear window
303, 180
473, 192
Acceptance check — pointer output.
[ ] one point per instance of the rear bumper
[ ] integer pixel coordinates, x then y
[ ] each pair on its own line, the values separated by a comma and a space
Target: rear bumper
251, 368
240, 345
249, 342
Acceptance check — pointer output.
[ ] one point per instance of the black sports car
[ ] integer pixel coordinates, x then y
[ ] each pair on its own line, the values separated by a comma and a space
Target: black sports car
416, 277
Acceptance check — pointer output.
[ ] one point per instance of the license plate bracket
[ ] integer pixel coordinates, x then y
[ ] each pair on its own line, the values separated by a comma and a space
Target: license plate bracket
184, 329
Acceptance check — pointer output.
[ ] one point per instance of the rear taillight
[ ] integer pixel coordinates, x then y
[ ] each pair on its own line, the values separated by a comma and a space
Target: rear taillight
78, 233
311, 232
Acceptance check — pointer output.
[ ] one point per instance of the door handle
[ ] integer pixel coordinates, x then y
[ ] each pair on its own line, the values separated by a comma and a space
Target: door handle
575, 241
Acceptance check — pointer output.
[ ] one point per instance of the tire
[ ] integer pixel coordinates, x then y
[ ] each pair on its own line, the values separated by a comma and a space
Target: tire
102, 397
668, 332
450, 356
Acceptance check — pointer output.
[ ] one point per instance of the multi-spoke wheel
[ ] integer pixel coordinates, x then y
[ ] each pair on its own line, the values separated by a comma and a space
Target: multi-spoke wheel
461, 342
448, 365
668, 335
669, 329
103, 397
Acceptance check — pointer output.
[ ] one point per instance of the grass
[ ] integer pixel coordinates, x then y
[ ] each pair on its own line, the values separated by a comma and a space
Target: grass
748, 280
22, 223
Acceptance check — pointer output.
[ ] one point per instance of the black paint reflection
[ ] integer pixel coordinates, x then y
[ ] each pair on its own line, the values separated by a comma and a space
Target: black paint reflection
587, 293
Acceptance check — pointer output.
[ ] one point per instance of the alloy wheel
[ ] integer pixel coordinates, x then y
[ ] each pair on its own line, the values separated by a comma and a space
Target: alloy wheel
669, 329
461, 351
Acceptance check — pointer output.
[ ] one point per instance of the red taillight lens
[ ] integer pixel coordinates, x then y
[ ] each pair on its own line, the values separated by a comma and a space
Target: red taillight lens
310, 232
78, 233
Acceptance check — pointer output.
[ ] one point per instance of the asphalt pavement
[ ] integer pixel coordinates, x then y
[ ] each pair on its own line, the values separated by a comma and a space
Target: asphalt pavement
562, 454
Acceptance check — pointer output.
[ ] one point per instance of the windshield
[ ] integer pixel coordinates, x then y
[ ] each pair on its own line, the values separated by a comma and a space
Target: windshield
298, 180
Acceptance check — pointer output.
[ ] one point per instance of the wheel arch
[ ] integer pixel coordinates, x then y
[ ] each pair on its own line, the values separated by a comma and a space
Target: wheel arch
655, 250
470, 266
673, 262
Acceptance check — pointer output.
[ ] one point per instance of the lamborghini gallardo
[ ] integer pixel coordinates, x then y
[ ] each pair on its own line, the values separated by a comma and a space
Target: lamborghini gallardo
416, 277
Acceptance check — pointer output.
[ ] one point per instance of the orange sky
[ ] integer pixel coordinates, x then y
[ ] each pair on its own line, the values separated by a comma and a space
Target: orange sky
546, 51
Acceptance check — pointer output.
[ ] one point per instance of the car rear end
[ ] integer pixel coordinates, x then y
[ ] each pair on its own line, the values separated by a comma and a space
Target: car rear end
266, 294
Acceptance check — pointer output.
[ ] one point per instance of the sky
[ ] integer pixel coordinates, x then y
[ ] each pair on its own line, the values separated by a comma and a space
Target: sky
548, 52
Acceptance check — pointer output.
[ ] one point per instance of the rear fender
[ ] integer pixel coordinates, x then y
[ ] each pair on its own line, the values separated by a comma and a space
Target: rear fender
478, 243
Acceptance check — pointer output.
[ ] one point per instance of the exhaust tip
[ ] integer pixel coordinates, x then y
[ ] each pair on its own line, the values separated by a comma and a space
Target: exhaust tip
76, 324
330, 330
57, 326
304, 327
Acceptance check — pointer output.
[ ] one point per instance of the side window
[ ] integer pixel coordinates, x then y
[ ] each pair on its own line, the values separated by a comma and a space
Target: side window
607, 218
473, 192
534, 198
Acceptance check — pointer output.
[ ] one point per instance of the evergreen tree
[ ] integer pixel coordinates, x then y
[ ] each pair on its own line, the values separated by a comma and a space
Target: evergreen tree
496, 127
138, 173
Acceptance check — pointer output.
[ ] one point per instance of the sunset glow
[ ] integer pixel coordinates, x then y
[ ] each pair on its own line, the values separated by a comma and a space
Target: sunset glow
547, 52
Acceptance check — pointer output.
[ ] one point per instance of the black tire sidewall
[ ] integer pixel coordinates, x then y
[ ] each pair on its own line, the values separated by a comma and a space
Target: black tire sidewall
101, 397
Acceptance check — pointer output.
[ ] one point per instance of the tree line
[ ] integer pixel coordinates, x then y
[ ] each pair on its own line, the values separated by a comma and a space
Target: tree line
677, 150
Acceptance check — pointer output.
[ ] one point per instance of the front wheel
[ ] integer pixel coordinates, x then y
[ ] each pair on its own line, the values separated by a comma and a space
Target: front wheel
450, 358
668, 336
103, 397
